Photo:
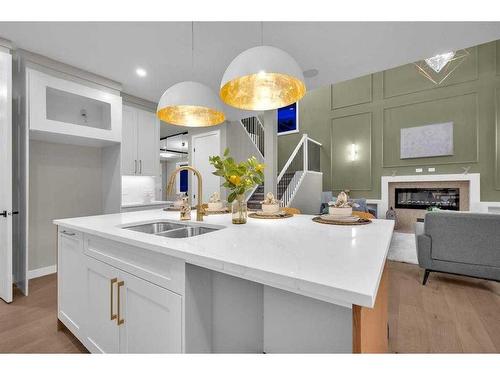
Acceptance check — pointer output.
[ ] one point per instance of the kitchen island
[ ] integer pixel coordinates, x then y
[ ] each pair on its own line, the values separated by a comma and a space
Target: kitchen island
272, 286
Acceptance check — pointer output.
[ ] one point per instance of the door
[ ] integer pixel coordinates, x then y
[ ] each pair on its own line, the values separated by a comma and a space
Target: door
129, 142
205, 145
6, 268
148, 143
71, 280
101, 304
152, 317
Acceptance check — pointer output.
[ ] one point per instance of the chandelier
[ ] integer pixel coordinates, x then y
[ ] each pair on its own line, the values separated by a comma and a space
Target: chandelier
439, 67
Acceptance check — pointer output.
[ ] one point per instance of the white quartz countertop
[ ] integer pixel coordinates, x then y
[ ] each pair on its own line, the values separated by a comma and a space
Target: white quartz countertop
337, 264
144, 204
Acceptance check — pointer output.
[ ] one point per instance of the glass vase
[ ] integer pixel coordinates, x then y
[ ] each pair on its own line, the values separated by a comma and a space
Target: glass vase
239, 210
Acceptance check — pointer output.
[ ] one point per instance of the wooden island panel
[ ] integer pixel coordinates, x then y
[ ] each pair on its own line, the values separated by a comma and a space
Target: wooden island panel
370, 330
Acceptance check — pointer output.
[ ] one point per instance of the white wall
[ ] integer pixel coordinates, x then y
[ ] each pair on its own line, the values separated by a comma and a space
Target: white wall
65, 181
240, 144
308, 196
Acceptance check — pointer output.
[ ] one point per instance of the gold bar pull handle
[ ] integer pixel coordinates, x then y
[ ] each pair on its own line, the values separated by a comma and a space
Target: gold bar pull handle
112, 314
119, 321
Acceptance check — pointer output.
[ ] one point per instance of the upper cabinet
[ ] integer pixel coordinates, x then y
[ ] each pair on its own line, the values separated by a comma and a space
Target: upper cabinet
61, 110
140, 142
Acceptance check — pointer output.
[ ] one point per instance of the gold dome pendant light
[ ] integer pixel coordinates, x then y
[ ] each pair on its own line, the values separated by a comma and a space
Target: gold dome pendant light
262, 78
189, 103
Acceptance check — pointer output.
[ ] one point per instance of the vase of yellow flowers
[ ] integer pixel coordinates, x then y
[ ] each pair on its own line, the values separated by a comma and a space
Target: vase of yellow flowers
238, 179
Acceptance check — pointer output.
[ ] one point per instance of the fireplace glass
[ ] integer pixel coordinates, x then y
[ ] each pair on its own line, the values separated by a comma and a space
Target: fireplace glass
423, 198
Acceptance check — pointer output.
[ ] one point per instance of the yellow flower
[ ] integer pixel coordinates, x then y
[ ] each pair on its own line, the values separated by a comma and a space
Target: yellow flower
235, 180
259, 167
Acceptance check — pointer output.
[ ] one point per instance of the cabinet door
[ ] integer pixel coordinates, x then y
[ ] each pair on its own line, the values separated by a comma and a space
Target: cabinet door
66, 108
152, 317
103, 334
129, 142
148, 143
71, 280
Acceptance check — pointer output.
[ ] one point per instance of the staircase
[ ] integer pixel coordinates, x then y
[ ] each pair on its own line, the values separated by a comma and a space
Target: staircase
284, 183
253, 202
305, 158
255, 130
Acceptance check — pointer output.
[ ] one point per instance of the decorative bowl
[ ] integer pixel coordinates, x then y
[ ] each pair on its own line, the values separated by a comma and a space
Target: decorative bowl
340, 211
270, 208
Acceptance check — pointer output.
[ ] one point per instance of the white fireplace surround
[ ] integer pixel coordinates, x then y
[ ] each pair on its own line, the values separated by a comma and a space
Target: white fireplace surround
475, 204
403, 247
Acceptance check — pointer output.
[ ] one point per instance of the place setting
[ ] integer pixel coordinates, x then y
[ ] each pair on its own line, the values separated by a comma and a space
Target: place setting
270, 209
340, 213
215, 206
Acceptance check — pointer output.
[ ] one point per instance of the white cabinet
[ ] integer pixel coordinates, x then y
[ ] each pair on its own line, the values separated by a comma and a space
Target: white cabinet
148, 143
140, 142
70, 280
129, 141
152, 317
61, 110
112, 310
101, 329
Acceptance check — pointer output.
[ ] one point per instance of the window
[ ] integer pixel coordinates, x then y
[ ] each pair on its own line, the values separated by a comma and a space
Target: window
288, 119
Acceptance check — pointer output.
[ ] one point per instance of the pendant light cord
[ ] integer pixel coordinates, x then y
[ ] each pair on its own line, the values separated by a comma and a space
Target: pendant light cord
261, 33
192, 50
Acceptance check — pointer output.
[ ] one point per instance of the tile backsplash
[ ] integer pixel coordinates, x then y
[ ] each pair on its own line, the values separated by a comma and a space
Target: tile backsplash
136, 189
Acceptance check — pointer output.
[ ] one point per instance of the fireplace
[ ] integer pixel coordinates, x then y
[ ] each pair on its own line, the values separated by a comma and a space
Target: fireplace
424, 197
411, 199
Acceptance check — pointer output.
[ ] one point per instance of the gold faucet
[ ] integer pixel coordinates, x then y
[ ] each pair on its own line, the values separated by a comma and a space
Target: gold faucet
200, 211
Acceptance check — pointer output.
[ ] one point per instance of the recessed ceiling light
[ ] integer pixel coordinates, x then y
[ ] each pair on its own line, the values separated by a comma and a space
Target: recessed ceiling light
141, 72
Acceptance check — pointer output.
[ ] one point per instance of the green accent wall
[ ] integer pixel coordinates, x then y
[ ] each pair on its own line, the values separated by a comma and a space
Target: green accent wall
370, 111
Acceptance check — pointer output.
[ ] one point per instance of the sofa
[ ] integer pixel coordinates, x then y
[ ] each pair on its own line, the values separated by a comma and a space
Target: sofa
360, 205
461, 243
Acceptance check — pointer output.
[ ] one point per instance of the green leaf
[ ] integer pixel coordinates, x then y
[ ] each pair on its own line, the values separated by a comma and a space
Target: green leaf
226, 152
231, 197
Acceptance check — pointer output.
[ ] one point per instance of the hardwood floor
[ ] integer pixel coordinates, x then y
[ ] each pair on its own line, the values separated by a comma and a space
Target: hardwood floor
451, 314
29, 324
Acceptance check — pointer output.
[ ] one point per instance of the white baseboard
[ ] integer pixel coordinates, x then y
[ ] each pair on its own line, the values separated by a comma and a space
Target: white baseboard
39, 272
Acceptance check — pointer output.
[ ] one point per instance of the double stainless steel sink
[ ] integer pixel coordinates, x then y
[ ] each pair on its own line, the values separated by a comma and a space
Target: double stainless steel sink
172, 229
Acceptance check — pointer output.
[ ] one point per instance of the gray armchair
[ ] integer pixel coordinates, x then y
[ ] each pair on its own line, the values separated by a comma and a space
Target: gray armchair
461, 243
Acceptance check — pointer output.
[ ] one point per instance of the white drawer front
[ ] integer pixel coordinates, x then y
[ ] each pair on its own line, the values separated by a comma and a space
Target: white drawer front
163, 270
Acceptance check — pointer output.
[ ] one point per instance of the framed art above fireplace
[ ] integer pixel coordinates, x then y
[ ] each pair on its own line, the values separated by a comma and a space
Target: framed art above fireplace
427, 141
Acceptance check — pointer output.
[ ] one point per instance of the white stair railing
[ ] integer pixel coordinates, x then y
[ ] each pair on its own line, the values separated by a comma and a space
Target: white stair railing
294, 170
255, 130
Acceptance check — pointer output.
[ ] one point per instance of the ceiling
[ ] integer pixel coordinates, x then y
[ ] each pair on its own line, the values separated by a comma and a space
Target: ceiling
339, 50
167, 130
